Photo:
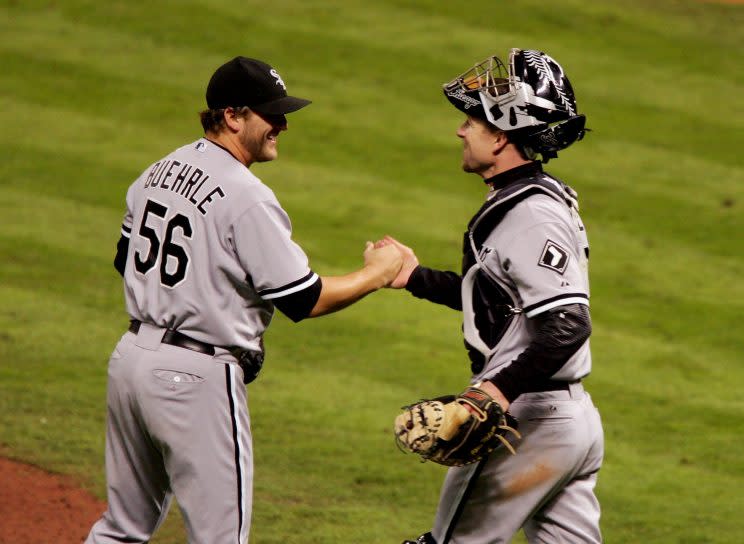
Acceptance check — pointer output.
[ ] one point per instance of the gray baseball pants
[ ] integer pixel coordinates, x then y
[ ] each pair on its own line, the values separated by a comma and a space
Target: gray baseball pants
547, 488
177, 424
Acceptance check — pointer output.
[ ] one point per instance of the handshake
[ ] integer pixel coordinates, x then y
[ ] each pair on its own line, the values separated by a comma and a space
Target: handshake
391, 260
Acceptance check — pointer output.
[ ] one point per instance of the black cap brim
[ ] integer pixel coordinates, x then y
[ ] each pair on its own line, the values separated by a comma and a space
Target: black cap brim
281, 106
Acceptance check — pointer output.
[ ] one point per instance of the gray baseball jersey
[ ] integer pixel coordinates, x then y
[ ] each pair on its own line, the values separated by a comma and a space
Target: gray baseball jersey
206, 252
538, 256
203, 209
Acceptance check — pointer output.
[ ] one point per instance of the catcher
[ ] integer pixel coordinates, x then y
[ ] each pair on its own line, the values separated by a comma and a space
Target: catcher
524, 295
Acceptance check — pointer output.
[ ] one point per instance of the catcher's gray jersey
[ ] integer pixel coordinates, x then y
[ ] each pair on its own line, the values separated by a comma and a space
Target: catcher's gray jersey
530, 242
200, 208
538, 256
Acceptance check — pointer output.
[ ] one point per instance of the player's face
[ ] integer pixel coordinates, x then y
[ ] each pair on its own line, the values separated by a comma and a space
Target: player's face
478, 145
259, 135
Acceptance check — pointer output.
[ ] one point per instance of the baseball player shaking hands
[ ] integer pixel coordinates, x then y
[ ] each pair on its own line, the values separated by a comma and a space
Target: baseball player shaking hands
206, 254
524, 294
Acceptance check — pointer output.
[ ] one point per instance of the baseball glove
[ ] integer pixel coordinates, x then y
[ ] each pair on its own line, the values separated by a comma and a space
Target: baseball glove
443, 430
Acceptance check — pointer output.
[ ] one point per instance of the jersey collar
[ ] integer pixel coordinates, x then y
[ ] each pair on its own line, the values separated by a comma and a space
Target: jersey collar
226, 150
499, 181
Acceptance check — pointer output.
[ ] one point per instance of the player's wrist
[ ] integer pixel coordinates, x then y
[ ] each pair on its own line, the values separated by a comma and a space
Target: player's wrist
375, 276
490, 388
387, 277
382, 273
405, 275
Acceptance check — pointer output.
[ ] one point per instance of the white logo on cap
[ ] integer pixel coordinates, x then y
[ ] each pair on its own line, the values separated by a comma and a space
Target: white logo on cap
279, 80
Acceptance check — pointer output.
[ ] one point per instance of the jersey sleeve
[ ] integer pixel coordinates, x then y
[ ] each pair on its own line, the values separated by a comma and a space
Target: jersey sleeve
297, 306
122, 246
544, 264
126, 224
274, 264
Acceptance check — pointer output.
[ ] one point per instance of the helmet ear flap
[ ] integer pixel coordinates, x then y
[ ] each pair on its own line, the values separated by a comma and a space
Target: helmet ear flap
569, 131
548, 140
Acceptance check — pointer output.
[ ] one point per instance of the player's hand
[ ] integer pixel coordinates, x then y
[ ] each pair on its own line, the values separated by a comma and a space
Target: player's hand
410, 261
385, 260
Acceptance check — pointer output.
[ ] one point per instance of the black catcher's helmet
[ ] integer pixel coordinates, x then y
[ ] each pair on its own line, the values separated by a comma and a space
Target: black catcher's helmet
532, 100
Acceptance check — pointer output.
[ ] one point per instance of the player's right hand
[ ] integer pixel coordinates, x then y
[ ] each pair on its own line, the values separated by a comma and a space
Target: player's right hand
410, 261
386, 260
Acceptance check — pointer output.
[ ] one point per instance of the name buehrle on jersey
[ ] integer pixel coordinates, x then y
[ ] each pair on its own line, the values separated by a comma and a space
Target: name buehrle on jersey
161, 171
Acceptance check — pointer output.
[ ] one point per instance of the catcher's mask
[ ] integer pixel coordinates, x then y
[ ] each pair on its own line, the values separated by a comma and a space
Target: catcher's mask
532, 100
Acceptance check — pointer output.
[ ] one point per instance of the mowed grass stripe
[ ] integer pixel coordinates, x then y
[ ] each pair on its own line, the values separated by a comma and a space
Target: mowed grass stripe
87, 231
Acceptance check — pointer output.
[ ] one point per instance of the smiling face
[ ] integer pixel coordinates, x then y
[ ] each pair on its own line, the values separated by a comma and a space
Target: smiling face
258, 136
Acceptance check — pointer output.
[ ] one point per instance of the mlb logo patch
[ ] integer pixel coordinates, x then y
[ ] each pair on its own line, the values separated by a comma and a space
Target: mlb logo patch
554, 257
201, 147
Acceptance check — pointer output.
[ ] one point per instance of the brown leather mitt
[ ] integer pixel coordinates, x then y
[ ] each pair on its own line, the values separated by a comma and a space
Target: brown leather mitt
445, 431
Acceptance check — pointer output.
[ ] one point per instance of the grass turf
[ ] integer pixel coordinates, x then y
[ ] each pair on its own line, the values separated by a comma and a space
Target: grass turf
92, 93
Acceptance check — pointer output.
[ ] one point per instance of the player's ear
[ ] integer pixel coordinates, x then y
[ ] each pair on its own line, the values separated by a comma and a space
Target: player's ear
232, 119
500, 141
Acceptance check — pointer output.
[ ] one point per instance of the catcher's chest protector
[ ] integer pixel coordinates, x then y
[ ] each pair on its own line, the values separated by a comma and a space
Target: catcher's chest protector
491, 305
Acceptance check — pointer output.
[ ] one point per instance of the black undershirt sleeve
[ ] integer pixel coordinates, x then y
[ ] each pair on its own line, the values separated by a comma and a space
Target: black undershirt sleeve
560, 333
120, 261
437, 286
297, 306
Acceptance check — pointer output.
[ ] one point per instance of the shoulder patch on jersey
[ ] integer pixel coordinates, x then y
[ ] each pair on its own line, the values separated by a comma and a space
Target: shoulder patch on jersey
554, 257
201, 147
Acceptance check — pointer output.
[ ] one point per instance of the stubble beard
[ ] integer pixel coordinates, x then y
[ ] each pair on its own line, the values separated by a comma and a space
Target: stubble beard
467, 168
256, 147
468, 165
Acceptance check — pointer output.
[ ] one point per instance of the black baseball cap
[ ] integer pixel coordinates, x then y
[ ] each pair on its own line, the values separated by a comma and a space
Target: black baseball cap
253, 83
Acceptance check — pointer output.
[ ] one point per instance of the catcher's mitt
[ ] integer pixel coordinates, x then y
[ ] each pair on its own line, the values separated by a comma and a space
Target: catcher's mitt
443, 430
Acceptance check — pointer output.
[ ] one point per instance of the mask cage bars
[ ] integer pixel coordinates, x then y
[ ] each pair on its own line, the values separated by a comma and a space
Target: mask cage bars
490, 76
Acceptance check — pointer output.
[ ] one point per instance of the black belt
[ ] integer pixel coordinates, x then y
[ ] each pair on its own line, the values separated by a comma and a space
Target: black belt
250, 361
175, 338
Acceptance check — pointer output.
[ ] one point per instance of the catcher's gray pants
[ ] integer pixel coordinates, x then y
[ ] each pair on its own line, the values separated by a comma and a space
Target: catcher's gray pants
177, 424
547, 487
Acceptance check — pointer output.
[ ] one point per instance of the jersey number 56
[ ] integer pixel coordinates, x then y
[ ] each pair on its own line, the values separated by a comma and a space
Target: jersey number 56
170, 252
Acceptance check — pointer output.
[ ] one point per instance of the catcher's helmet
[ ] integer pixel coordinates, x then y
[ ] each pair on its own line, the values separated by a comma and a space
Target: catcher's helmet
532, 100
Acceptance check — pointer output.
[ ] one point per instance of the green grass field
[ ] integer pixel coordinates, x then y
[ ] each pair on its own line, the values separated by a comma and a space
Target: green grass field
93, 92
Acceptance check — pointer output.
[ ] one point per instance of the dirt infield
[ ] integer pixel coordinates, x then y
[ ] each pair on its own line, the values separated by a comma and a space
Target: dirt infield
41, 508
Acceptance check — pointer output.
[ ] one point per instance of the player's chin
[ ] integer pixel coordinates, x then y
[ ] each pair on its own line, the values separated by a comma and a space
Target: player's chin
471, 166
268, 153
